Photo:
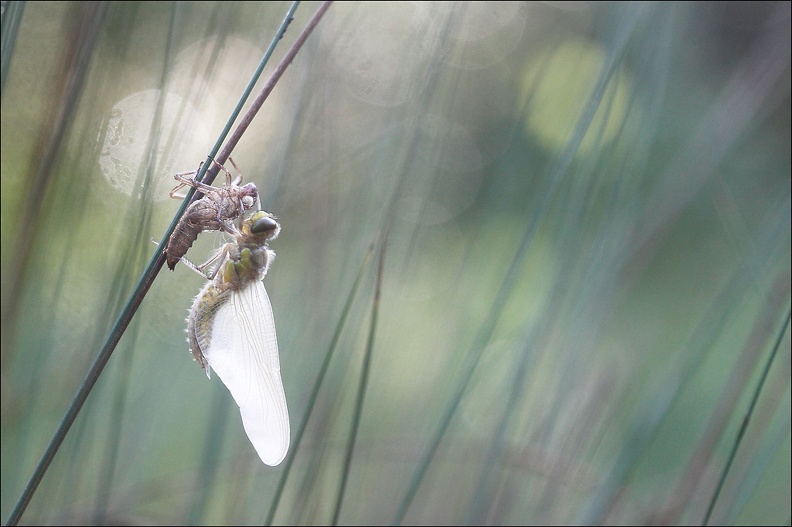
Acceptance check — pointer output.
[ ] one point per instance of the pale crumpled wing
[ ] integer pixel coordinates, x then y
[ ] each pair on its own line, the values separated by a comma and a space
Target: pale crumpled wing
243, 351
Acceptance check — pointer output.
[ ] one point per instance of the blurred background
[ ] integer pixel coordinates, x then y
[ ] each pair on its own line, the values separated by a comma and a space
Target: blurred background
586, 209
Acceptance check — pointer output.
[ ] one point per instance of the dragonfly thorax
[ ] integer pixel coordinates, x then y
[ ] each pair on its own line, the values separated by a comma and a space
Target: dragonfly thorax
249, 263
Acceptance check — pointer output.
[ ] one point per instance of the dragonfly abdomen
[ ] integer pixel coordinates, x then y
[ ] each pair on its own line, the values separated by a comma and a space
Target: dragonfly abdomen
203, 215
199, 323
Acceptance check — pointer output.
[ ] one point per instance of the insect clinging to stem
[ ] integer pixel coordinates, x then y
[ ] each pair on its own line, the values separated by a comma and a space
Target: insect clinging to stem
215, 211
231, 330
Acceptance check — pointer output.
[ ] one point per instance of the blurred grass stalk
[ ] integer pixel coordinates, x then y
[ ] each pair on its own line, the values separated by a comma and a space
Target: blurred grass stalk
588, 222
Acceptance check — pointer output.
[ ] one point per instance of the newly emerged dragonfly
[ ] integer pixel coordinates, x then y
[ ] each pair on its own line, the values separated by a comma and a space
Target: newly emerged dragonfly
215, 211
231, 330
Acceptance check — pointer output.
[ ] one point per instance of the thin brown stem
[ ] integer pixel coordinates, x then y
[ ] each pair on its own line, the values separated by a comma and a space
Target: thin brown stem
266, 90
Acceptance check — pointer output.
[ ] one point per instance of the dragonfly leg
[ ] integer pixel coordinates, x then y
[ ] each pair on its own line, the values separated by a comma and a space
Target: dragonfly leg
192, 266
187, 179
175, 194
200, 268
218, 257
230, 228
238, 179
229, 178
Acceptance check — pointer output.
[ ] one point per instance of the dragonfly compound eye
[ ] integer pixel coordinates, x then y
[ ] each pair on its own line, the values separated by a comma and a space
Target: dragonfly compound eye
264, 225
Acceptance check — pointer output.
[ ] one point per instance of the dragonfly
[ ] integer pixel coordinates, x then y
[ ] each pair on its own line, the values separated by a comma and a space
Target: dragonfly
231, 330
215, 211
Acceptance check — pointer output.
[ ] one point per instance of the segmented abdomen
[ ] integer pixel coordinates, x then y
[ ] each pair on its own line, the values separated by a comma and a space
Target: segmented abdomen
199, 323
200, 216
180, 242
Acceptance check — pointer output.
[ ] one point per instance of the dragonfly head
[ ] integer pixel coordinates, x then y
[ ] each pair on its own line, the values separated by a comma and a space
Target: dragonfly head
248, 194
262, 225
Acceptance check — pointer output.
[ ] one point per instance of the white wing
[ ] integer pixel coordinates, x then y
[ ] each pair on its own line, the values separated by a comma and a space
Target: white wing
243, 350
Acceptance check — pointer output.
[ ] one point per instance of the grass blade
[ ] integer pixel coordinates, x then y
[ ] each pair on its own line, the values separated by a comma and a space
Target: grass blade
746, 420
143, 285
